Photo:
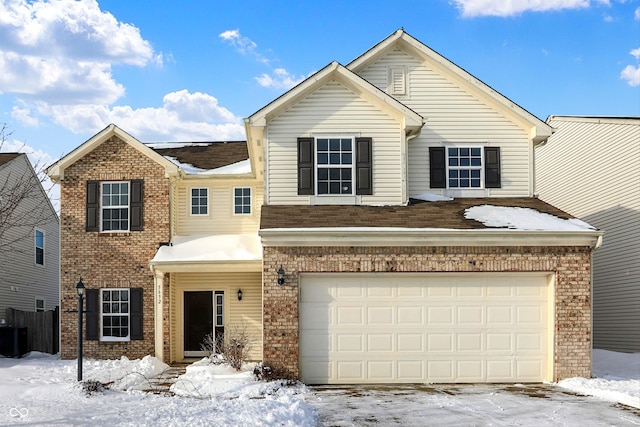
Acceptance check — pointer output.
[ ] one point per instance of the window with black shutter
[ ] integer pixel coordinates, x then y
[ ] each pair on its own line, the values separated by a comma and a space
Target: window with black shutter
461, 168
115, 206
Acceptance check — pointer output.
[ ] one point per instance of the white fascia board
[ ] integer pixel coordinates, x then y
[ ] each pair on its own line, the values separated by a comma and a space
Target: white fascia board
206, 266
56, 170
391, 236
357, 84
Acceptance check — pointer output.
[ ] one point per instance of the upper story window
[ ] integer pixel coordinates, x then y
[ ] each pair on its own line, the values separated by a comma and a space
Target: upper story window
39, 304
115, 314
114, 206
464, 167
39, 247
242, 201
199, 201
335, 166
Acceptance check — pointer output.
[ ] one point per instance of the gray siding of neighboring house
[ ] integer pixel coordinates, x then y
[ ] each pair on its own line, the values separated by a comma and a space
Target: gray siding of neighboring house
21, 279
591, 168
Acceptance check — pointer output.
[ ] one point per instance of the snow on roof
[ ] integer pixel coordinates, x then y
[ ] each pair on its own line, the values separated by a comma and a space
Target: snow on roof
207, 248
523, 219
156, 145
431, 197
238, 168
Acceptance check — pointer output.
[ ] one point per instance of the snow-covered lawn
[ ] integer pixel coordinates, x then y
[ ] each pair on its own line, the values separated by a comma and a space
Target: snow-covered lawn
42, 390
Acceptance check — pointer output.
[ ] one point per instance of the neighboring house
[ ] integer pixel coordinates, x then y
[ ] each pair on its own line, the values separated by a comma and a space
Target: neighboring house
590, 167
29, 246
347, 273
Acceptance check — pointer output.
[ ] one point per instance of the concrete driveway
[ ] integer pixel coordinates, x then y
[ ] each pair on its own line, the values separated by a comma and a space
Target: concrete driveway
464, 405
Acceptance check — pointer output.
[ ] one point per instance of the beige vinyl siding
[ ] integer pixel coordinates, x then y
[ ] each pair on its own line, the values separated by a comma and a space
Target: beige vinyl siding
455, 116
337, 110
591, 169
221, 218
21, 279
247, 312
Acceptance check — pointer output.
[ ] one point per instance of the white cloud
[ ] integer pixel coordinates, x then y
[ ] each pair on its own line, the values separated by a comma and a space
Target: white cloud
279, 78
636, 14
243, 45
630, 73
471, 8
62, 52
183, 116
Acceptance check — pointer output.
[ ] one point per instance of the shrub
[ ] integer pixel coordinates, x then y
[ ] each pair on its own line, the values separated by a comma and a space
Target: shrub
234, 346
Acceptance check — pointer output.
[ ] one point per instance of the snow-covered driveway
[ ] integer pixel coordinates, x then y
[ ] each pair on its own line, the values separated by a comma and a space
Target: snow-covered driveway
464, 405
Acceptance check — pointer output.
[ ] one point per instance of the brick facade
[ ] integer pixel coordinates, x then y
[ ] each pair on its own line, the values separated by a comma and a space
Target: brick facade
572, 337
110, 260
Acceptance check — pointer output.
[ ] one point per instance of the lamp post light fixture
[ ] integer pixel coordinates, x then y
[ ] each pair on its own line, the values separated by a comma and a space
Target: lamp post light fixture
80, 289
239, 294
281, 276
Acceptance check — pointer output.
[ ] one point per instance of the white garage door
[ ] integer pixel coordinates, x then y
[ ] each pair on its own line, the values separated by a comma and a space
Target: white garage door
406, 328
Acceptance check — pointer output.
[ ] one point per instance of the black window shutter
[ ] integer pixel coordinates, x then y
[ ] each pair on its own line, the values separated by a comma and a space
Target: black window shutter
364, 180
437, 168
492, 167
136, 313
93, 307
305, 166
93, 206
136, 204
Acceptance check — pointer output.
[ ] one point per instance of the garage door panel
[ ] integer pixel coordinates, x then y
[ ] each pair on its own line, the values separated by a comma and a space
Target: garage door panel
424, 328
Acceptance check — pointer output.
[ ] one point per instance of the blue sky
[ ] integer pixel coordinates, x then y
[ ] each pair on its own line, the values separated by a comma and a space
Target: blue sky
179, 71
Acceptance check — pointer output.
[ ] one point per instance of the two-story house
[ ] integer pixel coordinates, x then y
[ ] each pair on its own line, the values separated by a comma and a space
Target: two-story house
384, 230
28, 239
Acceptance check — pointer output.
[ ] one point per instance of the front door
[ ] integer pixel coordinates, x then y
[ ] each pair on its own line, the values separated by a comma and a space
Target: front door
203, 314
198, 321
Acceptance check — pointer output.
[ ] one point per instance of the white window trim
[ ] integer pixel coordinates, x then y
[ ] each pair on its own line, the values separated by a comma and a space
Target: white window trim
35, 247
191, 201
233, 202
101, 184
317, 166
110, 338
44, 304
481, 168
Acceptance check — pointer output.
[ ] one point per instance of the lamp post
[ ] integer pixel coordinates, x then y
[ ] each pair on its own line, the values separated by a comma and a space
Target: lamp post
80, 290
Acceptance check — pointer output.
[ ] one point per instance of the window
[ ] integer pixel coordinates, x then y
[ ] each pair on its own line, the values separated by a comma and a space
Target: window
335, 166
115, 206
465, 165
458, 168
242, 201
219, 308
199, 201
115, 314
39, 304
39, 247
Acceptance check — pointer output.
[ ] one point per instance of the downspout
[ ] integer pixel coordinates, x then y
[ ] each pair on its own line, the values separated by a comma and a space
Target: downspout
594, 248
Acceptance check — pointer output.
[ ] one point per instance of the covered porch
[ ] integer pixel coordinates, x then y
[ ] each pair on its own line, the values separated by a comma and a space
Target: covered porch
206, 284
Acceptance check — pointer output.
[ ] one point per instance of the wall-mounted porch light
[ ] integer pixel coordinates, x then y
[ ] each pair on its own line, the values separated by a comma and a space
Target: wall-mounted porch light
281, 276
239, 294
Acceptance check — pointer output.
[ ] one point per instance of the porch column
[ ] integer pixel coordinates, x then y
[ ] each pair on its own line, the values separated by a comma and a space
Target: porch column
158, 285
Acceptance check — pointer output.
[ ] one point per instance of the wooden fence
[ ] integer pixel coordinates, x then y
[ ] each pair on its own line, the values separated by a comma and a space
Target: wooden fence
43, 328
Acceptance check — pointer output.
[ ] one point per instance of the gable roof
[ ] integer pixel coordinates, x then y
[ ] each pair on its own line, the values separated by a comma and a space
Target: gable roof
204, 155
56, 170
334, 71
538, 129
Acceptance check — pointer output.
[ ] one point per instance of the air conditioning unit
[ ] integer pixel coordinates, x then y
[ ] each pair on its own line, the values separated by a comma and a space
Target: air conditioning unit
13, 341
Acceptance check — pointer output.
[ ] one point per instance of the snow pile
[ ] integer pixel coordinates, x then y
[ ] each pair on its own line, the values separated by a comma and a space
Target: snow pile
238, 168
431, 197
618, 378
523, 219
199, 247
124, 374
